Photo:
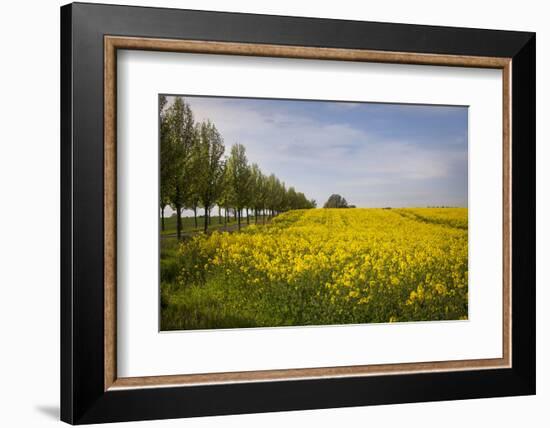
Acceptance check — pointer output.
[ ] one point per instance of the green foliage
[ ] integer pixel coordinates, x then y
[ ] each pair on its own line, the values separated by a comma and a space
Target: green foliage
239, 176
188, 225
177, 140
210, 176
336, 201
169, 263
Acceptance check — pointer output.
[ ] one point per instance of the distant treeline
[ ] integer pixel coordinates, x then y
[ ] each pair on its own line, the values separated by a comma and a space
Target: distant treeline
194, 173
337, 201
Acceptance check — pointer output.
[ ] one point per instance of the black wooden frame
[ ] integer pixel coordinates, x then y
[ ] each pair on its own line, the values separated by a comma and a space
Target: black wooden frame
83, 399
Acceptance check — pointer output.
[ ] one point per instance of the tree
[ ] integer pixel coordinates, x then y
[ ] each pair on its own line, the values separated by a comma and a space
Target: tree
293, 203
336, 201
178, 137
194, 167
162, 103
257, 190
227, 196
238, 178
166, 166
210, 179
283, 199
275, 192
193, 203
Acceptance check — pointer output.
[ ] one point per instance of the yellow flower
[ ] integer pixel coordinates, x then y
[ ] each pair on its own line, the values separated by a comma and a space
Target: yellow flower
378, 260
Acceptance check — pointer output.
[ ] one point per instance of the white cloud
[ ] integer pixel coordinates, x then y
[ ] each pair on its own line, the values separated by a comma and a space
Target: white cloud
321, 158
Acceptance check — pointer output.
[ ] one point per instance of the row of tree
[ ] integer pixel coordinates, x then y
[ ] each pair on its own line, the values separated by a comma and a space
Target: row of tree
194, 173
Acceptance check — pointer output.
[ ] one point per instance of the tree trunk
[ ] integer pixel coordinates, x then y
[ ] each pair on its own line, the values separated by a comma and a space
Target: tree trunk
178, 222
162, 218
247, 217
225, 218
239, 218
235, 213
219, 215
206, 212
263, 216
195, 213
256, 215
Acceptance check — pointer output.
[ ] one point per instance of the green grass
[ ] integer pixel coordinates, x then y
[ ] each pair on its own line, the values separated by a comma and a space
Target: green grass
223, 303
188, 224
203, 307
168, 259
198, 306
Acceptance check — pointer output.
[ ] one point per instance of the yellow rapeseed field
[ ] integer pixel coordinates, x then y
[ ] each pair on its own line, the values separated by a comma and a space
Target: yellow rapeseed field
323, 266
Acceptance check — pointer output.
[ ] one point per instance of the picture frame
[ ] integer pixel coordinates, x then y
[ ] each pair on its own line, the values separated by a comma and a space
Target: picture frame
91, 391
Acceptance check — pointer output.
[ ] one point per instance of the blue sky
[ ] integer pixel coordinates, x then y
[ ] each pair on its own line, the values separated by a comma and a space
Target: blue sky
375, 155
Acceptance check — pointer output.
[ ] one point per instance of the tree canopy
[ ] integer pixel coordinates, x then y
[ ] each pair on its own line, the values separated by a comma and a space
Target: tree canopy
336, 201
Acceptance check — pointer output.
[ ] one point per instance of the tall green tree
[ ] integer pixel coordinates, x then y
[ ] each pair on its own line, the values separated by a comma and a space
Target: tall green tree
263, 195
180, 138
195, 168
292, 201
283, 200
167, 168
257, 190
210, 179
275, 194
239, 178
227, 196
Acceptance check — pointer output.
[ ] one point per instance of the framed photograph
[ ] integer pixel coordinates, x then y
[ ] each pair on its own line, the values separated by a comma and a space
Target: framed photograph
267, 213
